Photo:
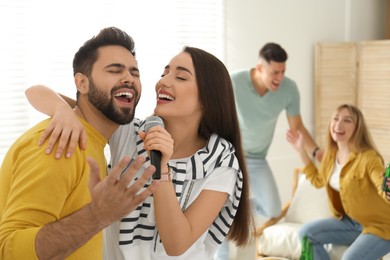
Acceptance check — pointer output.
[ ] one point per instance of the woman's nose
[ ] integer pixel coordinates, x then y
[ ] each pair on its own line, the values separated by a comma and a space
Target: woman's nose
164, 82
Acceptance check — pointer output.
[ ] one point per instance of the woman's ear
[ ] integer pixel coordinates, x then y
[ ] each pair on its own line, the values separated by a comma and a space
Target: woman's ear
82, 83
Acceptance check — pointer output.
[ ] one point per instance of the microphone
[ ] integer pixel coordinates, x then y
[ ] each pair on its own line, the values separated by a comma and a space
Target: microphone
155, 156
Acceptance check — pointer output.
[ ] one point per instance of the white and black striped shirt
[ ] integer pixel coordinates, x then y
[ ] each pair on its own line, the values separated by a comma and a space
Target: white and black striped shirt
190, 176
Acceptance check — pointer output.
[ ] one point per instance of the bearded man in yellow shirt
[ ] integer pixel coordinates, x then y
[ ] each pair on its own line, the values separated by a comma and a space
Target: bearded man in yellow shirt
46, 209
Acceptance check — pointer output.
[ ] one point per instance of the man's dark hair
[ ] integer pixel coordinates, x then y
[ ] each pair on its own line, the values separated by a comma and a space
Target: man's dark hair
86, 56
273, 52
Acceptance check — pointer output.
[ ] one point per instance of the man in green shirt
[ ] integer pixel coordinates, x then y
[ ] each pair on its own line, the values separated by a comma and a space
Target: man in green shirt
262, 93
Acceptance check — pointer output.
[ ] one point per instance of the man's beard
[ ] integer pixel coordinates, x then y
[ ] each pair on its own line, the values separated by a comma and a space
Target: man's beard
105, 104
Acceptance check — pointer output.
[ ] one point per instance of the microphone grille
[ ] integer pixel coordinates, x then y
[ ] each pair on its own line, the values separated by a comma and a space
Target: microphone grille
153, 121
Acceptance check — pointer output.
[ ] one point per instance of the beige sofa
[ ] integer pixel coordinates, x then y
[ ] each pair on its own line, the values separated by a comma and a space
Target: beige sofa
278, 237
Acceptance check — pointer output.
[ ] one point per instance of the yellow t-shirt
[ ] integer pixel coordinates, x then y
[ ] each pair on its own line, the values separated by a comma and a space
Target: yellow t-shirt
36, 189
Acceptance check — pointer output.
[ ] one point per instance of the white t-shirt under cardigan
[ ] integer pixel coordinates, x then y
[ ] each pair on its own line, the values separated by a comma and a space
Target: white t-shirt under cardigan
214, 167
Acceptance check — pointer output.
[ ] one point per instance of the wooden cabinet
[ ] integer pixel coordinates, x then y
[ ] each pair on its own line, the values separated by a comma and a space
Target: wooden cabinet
357, 73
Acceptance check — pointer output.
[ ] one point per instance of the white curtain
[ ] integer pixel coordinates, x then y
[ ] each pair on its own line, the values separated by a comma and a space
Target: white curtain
38, 39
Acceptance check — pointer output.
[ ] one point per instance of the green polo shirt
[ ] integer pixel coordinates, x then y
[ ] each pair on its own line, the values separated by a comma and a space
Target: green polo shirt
258, 114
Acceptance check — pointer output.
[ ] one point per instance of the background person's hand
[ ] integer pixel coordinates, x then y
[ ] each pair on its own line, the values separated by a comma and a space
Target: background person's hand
295, 138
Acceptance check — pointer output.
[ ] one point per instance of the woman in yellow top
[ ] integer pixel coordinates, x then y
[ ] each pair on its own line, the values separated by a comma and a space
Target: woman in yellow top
352, 172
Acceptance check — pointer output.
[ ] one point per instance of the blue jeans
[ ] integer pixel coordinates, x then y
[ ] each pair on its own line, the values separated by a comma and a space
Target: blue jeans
344, 232
265, 196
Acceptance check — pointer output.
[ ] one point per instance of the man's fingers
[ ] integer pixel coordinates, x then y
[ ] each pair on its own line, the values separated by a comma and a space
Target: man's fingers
123, 167
139, 184
129, 173
146, 193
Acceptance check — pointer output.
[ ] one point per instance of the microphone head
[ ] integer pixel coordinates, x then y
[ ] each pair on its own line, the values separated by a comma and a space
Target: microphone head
153, 121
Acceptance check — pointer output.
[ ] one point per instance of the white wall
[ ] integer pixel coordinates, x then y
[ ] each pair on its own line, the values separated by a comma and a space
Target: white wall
297, 26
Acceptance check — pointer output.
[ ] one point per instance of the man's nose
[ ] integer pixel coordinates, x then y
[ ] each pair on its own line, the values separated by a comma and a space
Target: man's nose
128, 78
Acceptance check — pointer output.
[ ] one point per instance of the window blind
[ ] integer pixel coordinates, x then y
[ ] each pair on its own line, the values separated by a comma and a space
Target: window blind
40, 37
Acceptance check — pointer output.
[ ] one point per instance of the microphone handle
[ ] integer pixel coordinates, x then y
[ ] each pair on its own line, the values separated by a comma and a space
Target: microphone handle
155, 159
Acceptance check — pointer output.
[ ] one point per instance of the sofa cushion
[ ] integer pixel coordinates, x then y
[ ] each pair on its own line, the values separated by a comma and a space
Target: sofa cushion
308, 203
281, 240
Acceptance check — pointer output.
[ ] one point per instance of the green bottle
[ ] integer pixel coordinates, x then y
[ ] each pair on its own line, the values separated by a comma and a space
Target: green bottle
385, 178
307, 249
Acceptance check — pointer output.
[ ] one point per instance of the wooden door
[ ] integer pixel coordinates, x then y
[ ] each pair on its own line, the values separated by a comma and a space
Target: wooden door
335, 82
374, 91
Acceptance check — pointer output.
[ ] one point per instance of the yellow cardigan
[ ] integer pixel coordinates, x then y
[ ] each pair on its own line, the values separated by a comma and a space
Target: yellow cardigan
361, 196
